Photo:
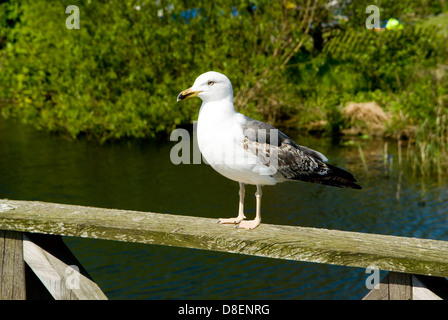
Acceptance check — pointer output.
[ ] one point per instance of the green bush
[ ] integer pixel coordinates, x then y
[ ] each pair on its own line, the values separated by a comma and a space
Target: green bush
120, 73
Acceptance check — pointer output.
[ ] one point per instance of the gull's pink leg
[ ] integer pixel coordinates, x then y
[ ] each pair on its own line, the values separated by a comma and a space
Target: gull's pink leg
240, 210
252, 224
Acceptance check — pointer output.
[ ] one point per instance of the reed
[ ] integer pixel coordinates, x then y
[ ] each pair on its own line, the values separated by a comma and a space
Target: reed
363, 159
429, 154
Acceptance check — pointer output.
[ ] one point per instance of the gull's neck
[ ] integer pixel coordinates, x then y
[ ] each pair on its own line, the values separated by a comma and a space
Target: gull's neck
214, 121
217, 111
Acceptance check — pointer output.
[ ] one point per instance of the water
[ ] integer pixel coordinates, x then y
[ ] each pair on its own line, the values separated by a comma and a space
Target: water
138, 175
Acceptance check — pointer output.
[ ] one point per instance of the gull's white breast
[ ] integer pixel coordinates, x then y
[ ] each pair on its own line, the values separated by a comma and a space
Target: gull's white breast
220, 137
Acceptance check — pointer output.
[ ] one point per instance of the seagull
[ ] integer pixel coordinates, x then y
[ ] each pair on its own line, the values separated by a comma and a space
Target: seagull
250, 151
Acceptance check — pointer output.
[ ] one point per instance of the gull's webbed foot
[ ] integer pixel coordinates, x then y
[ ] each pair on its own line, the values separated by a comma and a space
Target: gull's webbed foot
230, 220
249, 224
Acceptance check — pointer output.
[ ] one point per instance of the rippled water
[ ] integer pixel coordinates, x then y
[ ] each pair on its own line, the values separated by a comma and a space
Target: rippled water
138, 175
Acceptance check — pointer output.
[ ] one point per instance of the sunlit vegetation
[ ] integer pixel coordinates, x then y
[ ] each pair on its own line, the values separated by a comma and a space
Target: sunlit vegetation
295, 64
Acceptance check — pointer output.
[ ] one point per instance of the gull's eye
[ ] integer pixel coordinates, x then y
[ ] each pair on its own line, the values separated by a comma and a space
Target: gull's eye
210, 83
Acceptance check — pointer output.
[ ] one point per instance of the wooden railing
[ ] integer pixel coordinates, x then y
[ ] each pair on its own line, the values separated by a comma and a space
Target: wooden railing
30, 235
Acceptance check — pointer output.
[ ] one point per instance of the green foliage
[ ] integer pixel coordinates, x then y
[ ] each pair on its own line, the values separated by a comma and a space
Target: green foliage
120, 73
290, 63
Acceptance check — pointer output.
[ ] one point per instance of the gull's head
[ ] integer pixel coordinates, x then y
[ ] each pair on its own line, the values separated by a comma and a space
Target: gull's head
209, 86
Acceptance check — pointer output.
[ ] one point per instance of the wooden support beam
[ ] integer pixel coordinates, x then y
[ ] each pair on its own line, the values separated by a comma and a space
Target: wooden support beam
391, 253
379, 293
57, 268
429, 288
12, 266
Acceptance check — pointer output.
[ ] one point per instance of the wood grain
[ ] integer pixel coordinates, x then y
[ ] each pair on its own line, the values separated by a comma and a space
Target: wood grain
12, 266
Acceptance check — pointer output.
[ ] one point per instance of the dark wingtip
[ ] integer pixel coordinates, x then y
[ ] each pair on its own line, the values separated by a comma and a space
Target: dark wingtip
338, 177
355, 186
344, 178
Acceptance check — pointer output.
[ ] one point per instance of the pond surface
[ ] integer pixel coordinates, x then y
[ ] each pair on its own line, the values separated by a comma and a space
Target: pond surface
138, 175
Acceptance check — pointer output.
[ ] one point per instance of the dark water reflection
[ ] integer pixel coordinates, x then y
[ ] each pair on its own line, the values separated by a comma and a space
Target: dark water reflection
138, 175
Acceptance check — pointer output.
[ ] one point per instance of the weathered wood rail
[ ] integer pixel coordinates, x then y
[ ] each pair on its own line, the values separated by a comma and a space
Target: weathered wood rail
408, 260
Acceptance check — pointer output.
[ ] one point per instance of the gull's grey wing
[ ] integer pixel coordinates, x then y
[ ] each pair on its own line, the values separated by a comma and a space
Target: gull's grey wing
258, 131
290, 160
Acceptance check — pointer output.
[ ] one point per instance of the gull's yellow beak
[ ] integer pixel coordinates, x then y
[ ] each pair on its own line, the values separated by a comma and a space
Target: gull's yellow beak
187, 94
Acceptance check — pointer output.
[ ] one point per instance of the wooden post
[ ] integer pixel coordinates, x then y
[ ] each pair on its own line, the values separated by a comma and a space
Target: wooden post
400, 286
12, 266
